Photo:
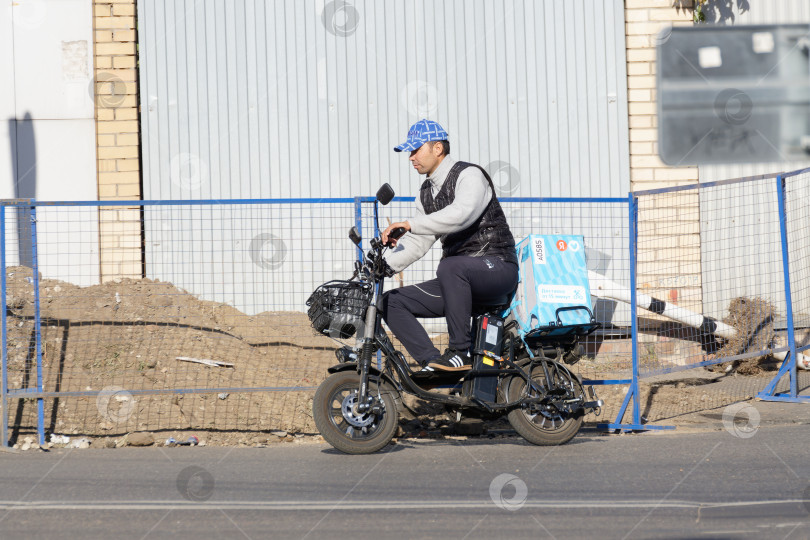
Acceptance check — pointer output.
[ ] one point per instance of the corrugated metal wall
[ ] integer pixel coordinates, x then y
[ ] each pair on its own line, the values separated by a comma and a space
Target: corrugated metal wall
255, 98
724, 208
306, 98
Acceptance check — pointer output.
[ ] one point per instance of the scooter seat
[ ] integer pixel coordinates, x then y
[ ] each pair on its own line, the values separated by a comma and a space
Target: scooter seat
493, 306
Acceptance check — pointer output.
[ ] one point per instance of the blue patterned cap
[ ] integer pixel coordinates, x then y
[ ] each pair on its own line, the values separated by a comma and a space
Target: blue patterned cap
420, 133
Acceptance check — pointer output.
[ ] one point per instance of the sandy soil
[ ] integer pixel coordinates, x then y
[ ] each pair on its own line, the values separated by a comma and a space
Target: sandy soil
115, 340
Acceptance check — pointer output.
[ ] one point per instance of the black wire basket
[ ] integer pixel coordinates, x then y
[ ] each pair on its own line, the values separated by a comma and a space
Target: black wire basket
338, 308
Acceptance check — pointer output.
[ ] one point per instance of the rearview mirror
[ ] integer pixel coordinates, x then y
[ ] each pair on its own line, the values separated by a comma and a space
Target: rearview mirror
385, 194
354, 236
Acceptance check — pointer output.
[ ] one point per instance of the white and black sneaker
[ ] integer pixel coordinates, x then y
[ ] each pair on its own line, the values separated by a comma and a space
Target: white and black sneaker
452, 360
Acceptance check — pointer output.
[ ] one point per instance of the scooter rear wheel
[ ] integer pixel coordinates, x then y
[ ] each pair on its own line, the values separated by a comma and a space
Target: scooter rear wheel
548, 426
336, 416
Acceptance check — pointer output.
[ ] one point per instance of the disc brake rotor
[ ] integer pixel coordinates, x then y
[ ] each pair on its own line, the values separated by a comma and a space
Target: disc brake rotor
348, 408
544, 412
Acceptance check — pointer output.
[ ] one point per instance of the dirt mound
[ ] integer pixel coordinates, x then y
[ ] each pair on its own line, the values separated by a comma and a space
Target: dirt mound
115, 346
753, 318
125, 336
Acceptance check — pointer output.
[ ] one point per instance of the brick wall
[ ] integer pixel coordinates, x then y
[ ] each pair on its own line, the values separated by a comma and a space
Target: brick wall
118, 137
669, 225
644, 20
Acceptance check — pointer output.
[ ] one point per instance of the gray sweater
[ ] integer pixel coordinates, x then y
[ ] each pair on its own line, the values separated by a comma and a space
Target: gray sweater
472, 197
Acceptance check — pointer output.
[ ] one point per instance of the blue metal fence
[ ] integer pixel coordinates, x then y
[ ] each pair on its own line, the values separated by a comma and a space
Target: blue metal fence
801, 182
186, 245
744, 302
267, 337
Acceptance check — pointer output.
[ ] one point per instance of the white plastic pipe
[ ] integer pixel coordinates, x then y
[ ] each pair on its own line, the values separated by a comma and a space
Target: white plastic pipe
802, 361
602, 287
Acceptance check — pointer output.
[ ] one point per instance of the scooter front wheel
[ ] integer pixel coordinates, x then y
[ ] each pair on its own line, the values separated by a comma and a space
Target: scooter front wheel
334, 409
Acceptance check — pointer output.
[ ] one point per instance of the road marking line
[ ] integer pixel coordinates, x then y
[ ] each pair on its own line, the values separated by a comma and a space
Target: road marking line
377, 504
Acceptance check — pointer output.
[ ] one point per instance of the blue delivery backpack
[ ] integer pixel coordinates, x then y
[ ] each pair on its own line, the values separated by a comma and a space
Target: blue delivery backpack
553, 298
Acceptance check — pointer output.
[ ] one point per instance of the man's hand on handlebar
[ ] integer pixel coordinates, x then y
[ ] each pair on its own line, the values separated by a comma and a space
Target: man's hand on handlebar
394, 232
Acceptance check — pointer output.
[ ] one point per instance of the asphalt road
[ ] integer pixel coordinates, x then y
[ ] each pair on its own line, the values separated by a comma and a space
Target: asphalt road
656, 485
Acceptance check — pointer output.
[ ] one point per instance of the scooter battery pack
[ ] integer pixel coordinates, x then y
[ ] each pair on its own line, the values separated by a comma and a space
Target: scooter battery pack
489, 339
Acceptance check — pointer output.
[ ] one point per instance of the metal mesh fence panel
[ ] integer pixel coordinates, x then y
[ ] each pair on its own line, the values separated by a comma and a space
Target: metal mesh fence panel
219, 315
709, 275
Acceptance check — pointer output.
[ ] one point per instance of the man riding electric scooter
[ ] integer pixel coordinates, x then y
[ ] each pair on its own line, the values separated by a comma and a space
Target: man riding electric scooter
457, 205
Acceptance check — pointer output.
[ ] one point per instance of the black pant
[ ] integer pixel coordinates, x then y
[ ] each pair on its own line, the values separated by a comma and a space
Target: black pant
460, 282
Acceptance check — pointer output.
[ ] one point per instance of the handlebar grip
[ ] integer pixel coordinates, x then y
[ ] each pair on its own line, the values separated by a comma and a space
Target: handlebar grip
395, 234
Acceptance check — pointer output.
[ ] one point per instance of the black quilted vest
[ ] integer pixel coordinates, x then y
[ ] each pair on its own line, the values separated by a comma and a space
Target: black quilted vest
489, 235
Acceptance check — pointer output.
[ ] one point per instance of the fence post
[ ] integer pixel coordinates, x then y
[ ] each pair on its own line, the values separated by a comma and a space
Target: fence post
769, 393
633, 392
37, 326
782, 186
780, 192
633, 300
3, 309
